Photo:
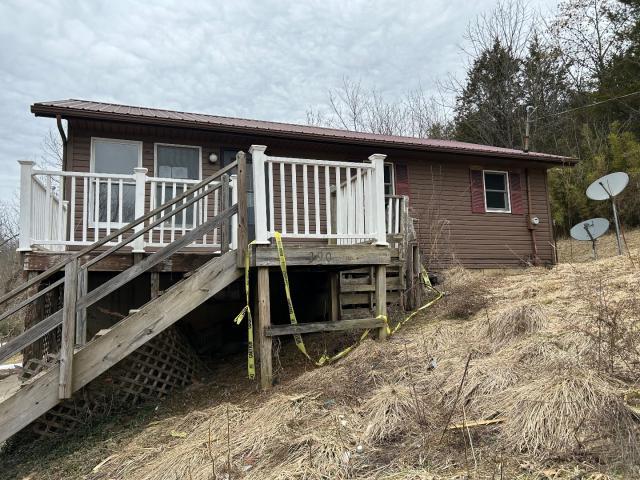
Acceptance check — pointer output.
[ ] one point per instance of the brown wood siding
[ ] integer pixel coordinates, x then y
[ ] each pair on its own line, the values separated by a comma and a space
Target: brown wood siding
439, 184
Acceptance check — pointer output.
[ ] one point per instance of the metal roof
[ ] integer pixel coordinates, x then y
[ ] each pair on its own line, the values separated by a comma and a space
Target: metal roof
112, 111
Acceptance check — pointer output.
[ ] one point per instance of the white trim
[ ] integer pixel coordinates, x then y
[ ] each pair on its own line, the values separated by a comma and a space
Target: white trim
163, 144
507, 191
92, 164
392, 180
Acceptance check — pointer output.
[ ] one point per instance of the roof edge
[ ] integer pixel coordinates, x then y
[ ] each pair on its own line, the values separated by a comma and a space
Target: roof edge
44, 110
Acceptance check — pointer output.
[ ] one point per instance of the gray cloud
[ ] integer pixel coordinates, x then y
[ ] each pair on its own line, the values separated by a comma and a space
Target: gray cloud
262, 59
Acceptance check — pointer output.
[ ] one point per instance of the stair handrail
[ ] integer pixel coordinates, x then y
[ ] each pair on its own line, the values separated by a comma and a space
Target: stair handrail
66, 315
90, 248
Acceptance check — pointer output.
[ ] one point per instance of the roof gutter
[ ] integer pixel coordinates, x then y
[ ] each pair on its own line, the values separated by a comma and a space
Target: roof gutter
47, 111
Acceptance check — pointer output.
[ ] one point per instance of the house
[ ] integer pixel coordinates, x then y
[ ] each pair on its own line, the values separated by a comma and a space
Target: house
161, 218
476, 205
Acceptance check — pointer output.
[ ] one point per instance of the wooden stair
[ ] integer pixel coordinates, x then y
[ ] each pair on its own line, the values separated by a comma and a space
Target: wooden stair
41, 393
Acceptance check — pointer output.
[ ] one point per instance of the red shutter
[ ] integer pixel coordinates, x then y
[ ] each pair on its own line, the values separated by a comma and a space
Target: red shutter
477, 191
402, 179
515, 189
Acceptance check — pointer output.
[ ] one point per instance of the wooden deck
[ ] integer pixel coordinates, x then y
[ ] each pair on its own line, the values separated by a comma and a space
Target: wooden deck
357, 243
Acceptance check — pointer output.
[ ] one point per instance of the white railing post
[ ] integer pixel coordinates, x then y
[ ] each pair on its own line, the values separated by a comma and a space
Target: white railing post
258, 158
140, 174
26, 171
377, 159
233, 186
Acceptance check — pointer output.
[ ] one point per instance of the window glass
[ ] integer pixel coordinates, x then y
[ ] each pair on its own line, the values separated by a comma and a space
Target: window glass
114, 157
388, 179
182, 163
496, 191
110, 156
178, 162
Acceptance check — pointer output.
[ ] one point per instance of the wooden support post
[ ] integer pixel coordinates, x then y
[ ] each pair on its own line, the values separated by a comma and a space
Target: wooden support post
154, 285
140, 174
224, 204
241, 186
334, 294
65, 386
417, 271
264, 321
409, 278
381, 297
81, 316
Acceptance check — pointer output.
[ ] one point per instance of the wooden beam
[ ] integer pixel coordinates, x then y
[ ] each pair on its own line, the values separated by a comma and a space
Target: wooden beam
81, 315
117, 262
41, 394
334, 293
381, 297
65, 386
224, 204
154, 285
241, 185
264, 322
29, 336
328, 255
312, 327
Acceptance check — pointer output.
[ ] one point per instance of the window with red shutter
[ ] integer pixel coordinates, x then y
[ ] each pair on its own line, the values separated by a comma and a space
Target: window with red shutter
515, 188
402, 179
477, 191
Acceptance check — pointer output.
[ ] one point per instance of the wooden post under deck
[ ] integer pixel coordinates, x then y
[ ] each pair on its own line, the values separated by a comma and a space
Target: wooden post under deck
264, 321
65, 387
243, 221
155, 285
334, 293
381, 297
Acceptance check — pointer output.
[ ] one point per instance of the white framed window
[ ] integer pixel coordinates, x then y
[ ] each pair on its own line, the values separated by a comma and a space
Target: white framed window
177, 162
113, 156
496, 191
389, 179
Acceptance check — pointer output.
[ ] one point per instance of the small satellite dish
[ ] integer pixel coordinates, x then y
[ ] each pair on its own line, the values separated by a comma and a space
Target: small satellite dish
589, 231
608, 186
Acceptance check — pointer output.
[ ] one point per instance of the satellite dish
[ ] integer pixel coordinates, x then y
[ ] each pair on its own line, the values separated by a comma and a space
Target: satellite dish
608, 186
589, 231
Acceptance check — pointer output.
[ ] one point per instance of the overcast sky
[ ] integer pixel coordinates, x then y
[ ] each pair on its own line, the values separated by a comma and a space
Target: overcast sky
268, 60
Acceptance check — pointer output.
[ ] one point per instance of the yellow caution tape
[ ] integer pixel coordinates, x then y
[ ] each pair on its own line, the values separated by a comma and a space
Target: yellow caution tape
251, 360
324, 359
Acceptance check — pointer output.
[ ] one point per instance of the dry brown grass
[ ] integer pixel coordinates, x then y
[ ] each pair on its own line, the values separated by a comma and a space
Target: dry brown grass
560, 413
465, 293
516, 322
380, 413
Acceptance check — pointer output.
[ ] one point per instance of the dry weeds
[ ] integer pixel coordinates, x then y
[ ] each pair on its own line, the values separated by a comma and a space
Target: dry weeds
537, 364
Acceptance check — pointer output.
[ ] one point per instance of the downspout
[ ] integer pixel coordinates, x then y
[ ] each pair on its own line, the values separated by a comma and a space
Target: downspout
530, 225
63, 137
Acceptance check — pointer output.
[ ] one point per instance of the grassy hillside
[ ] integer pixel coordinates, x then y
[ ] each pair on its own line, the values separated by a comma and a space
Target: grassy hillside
541, 359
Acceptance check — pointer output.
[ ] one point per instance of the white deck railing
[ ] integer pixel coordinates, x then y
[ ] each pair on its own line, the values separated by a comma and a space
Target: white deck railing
301, 198
318, 199
96, 204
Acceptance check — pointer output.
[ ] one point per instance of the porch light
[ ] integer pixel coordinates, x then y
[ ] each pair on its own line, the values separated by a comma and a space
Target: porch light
213, 158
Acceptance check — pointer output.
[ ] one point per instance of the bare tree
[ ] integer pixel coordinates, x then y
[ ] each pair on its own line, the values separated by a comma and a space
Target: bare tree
510, 23
587, 32
354, 107
51, 151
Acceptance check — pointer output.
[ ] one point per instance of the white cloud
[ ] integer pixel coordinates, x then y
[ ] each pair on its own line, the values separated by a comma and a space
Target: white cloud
268, 60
